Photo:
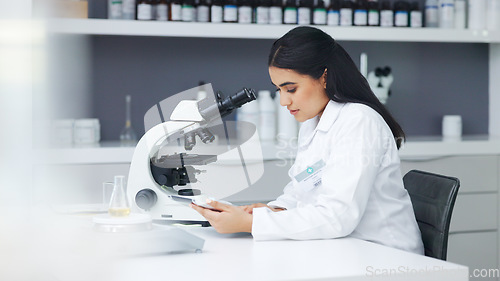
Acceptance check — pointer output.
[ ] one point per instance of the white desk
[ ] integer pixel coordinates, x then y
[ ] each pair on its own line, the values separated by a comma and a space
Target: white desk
238, 257
48, 252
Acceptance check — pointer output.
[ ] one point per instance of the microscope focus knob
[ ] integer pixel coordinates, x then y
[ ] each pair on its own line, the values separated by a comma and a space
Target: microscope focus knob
146, 199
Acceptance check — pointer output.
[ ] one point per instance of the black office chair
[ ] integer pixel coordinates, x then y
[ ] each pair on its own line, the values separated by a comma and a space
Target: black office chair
433, 197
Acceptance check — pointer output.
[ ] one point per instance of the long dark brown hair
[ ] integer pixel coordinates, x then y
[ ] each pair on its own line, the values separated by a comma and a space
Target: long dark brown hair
309, 51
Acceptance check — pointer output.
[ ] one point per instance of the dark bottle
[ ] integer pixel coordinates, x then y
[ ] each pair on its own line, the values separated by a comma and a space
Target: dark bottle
276, 12
346, 13
304, 12
401, 14
373, 13
145, 10
333, 14
361, 13
415, 15
203, 11
290, 12
216, 11
231, 11
319, 13
386, 14
176, 10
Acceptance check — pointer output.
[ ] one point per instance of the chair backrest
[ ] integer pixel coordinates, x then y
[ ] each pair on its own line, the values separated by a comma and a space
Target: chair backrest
433, 197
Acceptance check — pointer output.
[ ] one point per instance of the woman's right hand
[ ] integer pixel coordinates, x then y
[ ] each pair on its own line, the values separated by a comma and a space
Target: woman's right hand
249, 208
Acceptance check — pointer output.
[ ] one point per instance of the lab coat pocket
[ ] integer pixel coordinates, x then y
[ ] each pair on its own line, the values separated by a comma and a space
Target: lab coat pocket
310, 178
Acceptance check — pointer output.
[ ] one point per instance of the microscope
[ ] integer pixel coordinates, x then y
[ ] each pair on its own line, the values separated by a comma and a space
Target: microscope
166, 162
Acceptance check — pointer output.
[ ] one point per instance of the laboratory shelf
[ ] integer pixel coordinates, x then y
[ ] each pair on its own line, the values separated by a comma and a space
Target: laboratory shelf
101, 153
415, 149
256, 31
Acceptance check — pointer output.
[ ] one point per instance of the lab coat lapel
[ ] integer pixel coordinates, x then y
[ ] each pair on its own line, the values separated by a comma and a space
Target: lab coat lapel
311, 126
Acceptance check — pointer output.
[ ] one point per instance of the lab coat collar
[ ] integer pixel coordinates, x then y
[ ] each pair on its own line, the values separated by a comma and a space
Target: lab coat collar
309, 127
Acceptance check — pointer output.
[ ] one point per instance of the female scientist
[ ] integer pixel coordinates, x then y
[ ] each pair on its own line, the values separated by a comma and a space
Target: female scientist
346, 179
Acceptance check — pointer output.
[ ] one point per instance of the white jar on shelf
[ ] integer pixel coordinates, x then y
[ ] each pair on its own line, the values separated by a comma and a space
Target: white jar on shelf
287, 125
267, 120
248, 113
87, 131
62, 131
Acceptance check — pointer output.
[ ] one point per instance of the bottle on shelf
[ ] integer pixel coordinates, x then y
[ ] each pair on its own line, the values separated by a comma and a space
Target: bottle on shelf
290, 12
128, 135
244, 11
286, 126
176, 10
333, 14
304, 12
460, 14
188, 11
276, 12
161, 11
401, 12
247, 114
267, 120
144, 10
128, 9
216, 11
115, 9
346, 13
447, 14
154, 8
361, 13
477, 14
203, 11
415, 15
493, 15
386, 14
319, 13
373, 13
230, 11
431, 13
262, 12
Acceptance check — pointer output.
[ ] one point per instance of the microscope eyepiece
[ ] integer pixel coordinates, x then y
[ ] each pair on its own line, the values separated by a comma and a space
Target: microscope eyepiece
224, 106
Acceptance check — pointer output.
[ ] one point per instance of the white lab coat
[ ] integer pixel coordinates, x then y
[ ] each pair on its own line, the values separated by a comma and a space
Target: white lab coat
360, 193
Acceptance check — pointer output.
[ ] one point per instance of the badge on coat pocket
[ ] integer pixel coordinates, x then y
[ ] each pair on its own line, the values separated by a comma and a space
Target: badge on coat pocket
311, 176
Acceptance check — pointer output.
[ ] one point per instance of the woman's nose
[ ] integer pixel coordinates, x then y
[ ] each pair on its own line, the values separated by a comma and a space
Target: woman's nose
285, 100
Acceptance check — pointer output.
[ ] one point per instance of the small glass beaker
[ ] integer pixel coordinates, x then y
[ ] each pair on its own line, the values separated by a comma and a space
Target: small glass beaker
118, 205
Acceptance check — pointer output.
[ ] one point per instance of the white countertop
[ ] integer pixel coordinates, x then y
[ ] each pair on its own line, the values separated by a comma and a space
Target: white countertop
437, 146
238, 257
230, 257
414, 148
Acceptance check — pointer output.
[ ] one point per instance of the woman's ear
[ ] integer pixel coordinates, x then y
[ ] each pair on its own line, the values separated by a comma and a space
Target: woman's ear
323, 78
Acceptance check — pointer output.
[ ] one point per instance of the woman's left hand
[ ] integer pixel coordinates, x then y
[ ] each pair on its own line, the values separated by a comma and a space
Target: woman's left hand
227, 218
